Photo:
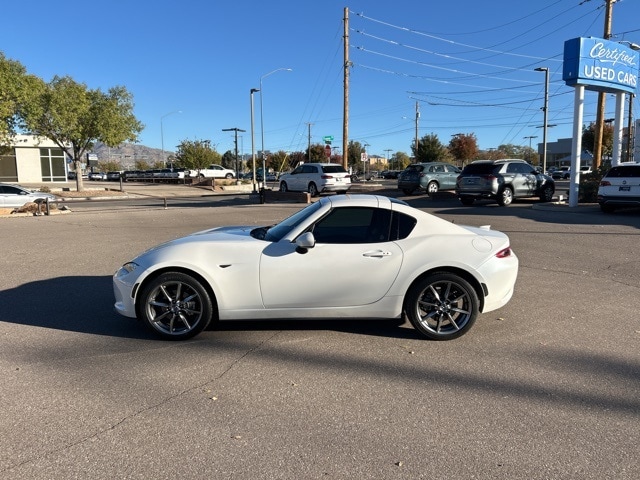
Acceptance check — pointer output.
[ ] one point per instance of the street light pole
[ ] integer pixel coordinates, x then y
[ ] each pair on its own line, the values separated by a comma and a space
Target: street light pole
545, 109
529, 153
253, 148
162, 133
236, 130
264, 170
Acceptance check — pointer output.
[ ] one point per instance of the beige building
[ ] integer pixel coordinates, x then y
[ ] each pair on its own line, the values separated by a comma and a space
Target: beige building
33, 160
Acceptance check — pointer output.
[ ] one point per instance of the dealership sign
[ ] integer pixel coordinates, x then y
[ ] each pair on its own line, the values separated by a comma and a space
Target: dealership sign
600, 65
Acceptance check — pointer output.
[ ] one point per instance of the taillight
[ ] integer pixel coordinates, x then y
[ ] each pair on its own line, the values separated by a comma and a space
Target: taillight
326, 177
605, 183
504, 253
489, 177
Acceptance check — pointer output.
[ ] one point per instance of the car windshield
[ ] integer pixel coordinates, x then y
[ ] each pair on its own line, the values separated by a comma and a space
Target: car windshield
277, 232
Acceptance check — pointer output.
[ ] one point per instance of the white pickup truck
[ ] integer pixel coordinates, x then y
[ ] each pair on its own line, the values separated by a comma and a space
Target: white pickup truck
213, 171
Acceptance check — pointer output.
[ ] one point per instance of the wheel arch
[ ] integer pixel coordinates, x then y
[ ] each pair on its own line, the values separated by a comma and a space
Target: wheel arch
480, 288
155, 274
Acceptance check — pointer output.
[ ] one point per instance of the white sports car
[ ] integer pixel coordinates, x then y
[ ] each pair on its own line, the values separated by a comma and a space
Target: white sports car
344, 256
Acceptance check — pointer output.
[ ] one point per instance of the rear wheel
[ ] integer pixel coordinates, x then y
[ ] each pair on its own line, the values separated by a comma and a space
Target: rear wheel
228, 175
505, 197
175, 306
313, 190
432, 188
442, 306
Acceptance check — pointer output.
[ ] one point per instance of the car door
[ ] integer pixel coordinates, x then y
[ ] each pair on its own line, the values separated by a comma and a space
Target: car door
524, 181
352, 263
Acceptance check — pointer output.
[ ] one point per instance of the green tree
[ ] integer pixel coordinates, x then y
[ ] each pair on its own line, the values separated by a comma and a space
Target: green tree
75, 117
108, 166
18, 92
399, 161
278, 161
430, 149
317, 154
588, 139
464, 147
196, 154
228, 160
354, 156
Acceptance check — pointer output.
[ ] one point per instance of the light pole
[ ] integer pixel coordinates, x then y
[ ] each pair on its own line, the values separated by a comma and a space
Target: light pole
253, 147
388, 150
365, 145
264, 169
545, 109
162, 133
236, 130
529, 153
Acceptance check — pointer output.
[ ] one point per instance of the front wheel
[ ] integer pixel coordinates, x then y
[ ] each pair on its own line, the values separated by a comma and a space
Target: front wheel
432, 188
313, 190
442, 306
505, 197
546, 195
175, 306
228, 176
283, 187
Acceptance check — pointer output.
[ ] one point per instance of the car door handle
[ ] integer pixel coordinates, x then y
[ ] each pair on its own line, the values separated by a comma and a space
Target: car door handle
377, 254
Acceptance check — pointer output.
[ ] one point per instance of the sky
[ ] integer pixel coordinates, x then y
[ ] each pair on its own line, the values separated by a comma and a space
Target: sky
466, 66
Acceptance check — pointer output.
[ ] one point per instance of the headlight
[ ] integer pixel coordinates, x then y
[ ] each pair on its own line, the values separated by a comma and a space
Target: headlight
126, 269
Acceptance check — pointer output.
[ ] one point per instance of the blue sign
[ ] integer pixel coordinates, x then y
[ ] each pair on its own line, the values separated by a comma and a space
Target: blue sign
600, 65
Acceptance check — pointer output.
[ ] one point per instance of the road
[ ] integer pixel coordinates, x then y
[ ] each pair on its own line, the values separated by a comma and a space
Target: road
546, 387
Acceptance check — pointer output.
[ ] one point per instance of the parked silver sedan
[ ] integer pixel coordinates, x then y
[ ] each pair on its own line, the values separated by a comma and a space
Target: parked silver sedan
17, 196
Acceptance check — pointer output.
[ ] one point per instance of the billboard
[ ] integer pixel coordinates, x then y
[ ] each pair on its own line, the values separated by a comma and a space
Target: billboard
600, 65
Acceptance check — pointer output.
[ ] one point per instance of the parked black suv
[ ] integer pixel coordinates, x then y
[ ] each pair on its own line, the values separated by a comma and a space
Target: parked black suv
502, 181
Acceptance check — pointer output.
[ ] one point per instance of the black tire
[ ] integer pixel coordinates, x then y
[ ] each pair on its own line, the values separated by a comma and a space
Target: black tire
505, 197
466, 200
442, 306
175, 306
228, 176
283, 187
407, 191
432, 188
546, 195
313, 190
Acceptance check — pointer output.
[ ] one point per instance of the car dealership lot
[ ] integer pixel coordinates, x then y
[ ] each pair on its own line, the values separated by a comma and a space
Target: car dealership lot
546, 387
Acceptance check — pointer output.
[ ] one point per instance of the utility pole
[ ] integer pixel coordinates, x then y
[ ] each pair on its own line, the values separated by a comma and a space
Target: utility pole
236, 130
599, 127
345, 112
309, 142
417, 118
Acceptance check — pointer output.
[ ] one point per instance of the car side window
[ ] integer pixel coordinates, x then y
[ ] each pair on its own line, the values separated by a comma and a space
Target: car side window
353, 225
401, 226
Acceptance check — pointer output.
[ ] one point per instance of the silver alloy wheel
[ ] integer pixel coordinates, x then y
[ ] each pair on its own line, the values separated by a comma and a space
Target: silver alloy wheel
175, 306
313, 190
432, 187
506, 197
443, 306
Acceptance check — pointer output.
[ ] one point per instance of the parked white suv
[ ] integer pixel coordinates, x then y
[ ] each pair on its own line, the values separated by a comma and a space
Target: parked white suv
316, 178
620, 187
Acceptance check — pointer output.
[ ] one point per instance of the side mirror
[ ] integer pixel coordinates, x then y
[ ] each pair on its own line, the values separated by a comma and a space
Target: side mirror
304, 242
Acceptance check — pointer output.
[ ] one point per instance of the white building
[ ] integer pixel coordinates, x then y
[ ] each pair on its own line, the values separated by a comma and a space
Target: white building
33, 159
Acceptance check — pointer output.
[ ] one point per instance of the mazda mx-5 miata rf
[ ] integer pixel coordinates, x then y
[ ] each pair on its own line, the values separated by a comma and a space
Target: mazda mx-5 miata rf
344, 256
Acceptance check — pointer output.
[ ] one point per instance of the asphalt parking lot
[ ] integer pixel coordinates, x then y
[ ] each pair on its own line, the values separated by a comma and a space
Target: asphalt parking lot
546, 387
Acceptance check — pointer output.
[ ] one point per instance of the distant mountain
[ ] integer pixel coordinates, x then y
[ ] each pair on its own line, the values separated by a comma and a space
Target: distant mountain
128, 153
